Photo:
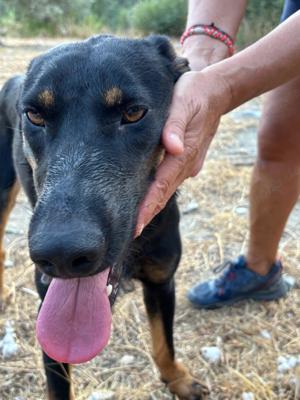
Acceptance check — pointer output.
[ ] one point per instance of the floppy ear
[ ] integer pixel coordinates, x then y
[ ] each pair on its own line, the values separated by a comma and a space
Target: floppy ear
178, 65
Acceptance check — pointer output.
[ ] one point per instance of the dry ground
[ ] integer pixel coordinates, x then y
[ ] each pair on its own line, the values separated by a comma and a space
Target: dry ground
214, 227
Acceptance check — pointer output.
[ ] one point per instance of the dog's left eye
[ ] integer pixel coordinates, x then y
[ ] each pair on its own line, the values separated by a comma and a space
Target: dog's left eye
133, 114
35, 118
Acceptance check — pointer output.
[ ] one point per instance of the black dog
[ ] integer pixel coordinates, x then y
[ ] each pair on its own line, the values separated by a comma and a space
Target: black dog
84, 128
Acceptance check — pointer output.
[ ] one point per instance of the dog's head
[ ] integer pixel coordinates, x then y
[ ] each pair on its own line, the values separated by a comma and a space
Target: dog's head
92, 117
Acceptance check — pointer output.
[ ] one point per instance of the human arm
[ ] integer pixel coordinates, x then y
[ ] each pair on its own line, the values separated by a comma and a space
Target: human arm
268, 63
202, 50
201, 98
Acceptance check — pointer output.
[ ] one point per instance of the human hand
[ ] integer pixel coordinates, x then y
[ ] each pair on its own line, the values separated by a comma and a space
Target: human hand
199, 100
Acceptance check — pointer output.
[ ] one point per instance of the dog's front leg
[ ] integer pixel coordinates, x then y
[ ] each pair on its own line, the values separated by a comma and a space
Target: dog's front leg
160, 304
58, 379
7, 201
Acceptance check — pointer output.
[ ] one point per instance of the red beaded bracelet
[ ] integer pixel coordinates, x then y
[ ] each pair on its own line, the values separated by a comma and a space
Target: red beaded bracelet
212, 31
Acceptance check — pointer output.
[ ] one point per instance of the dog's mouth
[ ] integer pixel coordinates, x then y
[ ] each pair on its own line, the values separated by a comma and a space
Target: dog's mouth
74, 322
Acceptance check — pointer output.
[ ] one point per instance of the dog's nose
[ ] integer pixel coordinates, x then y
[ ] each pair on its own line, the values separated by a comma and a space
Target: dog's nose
67, 255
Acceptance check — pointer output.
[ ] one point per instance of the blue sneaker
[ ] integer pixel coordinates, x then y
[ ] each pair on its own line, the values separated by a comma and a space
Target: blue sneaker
237, 283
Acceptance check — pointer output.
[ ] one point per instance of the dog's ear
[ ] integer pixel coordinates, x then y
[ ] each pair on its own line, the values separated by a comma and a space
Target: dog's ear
178, 65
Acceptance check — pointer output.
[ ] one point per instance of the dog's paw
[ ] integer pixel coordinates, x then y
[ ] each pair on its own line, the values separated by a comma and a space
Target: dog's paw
188, 388
6, 297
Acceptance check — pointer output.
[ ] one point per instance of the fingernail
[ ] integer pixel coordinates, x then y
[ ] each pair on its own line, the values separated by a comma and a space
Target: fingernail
139, 230
176, 140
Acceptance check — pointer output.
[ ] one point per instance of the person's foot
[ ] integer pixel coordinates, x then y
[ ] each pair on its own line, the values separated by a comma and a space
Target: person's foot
237, 283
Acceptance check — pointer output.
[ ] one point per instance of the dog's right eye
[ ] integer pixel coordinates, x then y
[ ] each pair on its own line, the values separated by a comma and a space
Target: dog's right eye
133, 114
35, 118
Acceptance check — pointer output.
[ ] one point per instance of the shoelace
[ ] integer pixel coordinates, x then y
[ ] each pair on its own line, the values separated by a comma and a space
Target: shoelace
227, 267
219, 268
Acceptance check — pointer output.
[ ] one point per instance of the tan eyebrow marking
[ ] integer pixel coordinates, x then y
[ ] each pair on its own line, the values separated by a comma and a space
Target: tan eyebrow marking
46, 98
113, 96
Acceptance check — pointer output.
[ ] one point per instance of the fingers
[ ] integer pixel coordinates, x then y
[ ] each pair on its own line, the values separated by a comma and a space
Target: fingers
165, 183
199, 159
173, 142
175, 127
167, 180
186, 137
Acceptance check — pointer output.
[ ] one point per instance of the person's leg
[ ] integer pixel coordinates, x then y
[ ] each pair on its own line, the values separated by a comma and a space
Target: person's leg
275, 188
275, 185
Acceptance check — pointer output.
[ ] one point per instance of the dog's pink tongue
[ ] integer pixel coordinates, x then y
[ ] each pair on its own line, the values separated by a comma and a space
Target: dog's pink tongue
74, 322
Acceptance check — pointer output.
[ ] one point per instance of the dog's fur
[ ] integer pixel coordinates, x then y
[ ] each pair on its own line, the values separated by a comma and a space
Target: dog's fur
86, 171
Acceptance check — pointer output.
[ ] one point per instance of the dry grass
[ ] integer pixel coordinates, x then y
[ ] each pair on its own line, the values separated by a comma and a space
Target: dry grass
213, 232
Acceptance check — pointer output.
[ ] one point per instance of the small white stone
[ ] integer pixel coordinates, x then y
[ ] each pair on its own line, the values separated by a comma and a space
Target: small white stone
248, 396
8, 263
284, 364
290, 280
241, 210
127, 359
102, 395
211, 354
190, 207
109, 289
266, 334
8, 344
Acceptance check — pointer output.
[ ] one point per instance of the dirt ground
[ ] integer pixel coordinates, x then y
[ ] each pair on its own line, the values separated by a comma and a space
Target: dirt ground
214, 206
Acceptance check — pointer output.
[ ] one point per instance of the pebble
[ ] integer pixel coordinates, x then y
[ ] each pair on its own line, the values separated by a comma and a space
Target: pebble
190, 207
8, 343
285, 363
266, 334
290, 280
241, 210
103, 395
248, 396
127, 359
211, 354
8, 263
